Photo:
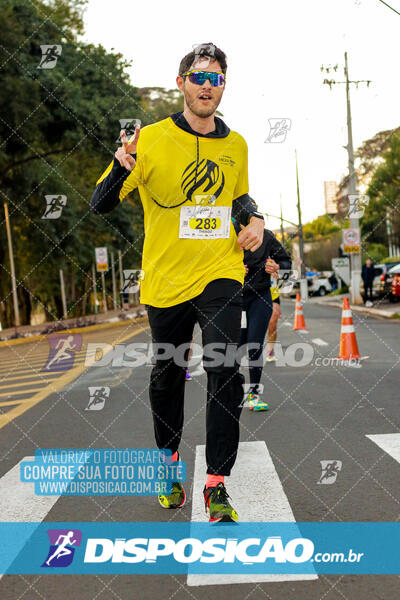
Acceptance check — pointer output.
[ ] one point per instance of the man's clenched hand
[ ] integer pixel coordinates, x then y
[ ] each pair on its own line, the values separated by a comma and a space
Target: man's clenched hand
251, 236
271, 266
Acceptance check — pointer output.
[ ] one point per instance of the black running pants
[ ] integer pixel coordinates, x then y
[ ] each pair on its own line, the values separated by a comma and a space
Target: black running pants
218, 311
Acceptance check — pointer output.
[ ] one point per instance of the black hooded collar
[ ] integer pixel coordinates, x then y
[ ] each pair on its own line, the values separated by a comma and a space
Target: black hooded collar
221, 130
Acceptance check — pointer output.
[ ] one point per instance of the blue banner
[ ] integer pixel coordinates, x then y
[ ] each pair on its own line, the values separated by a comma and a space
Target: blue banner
155, 548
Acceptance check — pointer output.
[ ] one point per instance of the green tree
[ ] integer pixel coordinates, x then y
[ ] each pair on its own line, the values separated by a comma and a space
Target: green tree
320, 227
159, 102
322, 250
59, 131
376, 252
370, 154
384, 194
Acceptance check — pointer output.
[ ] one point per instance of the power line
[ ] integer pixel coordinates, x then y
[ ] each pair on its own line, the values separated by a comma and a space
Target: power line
391, 7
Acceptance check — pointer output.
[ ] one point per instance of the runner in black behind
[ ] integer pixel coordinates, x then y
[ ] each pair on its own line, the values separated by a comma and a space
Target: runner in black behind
270, 257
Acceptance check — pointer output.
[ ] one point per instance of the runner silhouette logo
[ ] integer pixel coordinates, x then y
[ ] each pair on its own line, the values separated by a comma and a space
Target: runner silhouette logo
50, 54
62, 352
63, 543
205, 177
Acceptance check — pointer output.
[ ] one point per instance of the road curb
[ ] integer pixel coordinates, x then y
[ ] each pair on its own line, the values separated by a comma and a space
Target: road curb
371, 311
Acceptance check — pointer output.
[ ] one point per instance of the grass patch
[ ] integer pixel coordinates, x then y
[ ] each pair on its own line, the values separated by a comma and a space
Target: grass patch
338, 292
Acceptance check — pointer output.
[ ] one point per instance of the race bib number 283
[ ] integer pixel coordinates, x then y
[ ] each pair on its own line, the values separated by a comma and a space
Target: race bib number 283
205, 222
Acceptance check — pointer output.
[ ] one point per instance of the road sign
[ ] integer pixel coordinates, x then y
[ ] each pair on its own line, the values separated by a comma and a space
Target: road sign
351, 241
101, 259
341, 266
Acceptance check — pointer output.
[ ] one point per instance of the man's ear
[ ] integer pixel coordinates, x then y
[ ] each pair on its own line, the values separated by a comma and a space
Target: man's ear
180, 83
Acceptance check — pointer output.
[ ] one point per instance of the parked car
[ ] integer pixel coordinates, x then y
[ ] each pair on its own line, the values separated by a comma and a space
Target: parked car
386, 280
318, 285
392, 283
395, 295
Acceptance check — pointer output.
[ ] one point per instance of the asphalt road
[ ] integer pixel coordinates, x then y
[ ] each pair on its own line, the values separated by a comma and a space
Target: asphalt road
318, 411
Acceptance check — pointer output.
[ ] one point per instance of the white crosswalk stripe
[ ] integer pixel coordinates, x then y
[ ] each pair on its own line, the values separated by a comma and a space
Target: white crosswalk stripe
389, 442
319, 342
26, 506
257, 495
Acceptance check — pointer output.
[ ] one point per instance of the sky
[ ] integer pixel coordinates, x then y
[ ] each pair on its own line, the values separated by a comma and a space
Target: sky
275, 50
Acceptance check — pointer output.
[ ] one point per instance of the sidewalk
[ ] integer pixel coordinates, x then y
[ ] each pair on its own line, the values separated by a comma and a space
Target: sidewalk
380, 309
112, 316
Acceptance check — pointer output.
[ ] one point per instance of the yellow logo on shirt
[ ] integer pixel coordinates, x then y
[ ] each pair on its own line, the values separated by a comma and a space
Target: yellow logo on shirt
202, 177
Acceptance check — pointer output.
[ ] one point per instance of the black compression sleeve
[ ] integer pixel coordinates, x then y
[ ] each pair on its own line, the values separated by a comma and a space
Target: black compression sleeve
242, 207
106, 195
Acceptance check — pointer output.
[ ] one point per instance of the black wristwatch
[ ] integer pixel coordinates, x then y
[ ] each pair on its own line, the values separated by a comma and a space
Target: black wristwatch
255, 214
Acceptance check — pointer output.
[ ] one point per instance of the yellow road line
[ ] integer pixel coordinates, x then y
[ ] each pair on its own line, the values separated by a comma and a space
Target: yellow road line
55, 386
35, 366
21, 392
19, 372
10, 402
38, 374
35, 359
14, 385
89, 328
36, 363
12, 355
32, 374
36, 370
39, 367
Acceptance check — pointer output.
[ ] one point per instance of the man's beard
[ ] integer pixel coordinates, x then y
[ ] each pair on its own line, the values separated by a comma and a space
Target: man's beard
201, 111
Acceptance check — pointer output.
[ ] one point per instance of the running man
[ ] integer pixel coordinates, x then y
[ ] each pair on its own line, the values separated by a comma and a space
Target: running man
99, 396
61, 549
66, 348
49, 56
191, 172
267, 260
272, 332
54, 205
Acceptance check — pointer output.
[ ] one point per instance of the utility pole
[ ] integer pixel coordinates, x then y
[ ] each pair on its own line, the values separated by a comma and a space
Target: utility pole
94, 287
355, 259
114, 285
12, 268
121, 278
64, 302
103, 283
282, 230
303, 280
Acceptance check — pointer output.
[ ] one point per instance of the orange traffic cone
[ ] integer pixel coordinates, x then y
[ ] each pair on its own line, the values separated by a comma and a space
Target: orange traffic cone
299, 323
348, 341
